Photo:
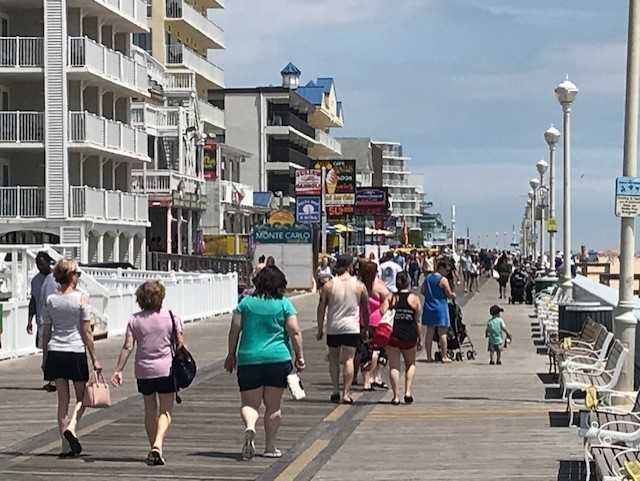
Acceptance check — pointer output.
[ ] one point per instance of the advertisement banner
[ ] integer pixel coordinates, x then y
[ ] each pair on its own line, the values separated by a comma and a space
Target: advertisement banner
371, 201
283, 234
339, 211
340, 181
308, 210
210, 161
308, 182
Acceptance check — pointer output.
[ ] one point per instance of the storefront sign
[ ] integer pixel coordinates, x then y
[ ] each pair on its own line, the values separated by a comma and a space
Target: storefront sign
628, 196
188, 200
340, 181
308, 182
308, 210
339, 211
210, 161
371, 201
552, 224
294, 234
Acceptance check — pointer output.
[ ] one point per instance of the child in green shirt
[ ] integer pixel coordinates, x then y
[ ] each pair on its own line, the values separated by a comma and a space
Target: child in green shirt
495, 332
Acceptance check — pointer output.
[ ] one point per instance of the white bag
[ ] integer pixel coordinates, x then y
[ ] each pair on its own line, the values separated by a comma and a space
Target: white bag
296, 389
494, 274
388, 317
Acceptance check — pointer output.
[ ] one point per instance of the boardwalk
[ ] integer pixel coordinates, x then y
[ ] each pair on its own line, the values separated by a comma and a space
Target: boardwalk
470, 421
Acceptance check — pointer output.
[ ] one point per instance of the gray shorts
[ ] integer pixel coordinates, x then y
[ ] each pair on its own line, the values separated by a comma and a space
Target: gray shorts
494, 347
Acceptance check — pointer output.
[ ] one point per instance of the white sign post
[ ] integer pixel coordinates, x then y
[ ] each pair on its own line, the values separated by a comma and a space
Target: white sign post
628, 196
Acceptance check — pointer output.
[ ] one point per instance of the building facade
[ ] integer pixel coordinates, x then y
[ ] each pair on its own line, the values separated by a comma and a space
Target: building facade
368, 157
67, 144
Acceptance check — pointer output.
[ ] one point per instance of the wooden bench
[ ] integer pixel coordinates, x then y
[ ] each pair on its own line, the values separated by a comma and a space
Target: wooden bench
610, 459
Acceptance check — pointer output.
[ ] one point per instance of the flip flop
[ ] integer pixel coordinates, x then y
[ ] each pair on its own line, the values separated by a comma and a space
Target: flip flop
74, 442
347, 400
395, 402
276, 453
408, 399
249, 447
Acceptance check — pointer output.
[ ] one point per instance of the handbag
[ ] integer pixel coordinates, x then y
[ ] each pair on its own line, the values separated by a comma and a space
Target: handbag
96, 393
385, 329
183, 365
296, 389
495, 274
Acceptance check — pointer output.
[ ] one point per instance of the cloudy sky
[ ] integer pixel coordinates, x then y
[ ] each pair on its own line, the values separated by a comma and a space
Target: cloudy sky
465, 85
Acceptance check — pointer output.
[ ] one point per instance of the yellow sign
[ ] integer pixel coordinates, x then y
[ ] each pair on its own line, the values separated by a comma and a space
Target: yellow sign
284, 217
552, 224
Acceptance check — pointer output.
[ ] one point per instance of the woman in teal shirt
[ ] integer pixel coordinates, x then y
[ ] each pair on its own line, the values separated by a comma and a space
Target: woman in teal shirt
263, 323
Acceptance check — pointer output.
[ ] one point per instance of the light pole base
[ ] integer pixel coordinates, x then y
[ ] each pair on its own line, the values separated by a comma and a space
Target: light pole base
624, 328
566, 291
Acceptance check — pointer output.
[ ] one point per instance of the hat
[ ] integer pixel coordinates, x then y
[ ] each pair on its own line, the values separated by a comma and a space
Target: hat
44, 255
344, 261
495, 310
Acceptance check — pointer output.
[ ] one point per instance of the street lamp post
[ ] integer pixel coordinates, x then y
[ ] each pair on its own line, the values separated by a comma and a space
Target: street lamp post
552, 136
534, 184
542, 166
531, 226
566, 93
624, 324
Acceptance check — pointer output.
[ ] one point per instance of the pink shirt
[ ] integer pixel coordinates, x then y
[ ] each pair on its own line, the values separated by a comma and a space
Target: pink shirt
152, 332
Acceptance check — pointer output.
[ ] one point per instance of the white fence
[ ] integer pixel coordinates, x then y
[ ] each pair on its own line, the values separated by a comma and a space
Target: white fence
22, 201
21, 52
112, 293
22, 127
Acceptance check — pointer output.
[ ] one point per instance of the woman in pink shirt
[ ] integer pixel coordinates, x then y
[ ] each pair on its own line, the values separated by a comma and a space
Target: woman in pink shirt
152, 331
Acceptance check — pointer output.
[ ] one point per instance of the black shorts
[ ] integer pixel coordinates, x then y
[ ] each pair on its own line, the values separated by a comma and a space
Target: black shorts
160, 385
254, 376
349, 340
71, 366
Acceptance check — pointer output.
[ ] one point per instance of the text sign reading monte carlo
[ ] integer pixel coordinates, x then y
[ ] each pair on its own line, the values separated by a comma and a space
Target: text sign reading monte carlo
308, 210
290, 234
628, 196
308, 182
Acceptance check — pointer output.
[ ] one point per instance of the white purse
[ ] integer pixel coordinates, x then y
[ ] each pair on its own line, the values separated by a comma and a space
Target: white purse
296, 389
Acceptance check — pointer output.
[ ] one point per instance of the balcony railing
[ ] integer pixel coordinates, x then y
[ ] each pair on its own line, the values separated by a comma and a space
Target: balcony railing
22, 127
90, 202
328, 141
180, 81
134, 9
162, 181
22, 202
85, 53
144, 115
88, 128
181, 9
21, 52
292, 120
236, 194
210, 113
180, 55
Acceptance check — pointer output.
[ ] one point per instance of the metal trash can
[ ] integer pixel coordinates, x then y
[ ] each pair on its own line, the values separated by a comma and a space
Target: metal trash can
542, 283
571, 317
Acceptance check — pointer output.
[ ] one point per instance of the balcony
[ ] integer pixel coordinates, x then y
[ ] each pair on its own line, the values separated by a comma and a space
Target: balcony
163, 181
387, 168
100, 204
184, 16
25, 202
236, 194
125, 15
284, 159
210, 114
87, 130
145, 116
284, 123
21, 129
106, 66
179, 55
325, 145
20, 55
179, 82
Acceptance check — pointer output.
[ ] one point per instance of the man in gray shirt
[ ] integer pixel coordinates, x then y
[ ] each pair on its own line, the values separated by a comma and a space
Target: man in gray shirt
42, 286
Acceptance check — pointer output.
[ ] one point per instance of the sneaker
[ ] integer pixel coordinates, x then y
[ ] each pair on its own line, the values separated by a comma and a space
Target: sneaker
249, 447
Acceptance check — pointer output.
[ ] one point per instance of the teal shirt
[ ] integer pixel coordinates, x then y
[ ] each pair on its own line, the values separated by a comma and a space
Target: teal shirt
264, 337
495, 331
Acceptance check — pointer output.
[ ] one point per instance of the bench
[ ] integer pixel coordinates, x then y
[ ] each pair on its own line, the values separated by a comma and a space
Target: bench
610, 459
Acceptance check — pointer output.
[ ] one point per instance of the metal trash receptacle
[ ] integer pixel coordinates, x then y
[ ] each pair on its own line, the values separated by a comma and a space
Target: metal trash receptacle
571, 317
542, 283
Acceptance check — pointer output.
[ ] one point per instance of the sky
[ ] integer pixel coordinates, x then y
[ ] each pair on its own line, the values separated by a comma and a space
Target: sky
465, 85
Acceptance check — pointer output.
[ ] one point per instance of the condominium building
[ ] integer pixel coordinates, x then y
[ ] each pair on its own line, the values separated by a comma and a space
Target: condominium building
284, 128
368, 157
404, 193
67, 146
178, 119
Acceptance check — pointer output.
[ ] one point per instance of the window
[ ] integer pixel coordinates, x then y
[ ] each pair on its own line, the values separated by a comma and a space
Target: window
143, 40
149, 8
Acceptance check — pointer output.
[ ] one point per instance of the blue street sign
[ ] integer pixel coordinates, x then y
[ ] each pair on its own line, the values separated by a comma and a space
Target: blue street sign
628, 186
308, 210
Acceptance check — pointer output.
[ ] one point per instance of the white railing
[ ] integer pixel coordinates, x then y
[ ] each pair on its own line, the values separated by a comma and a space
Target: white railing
236, 194
401, 169
21, 52
22, 127
180, 81
210, 113
328, 141
180, 9
21, 202
146, 115
193, 296
88, 54
163, 181
88, 128
178, 54
134, 9
90, 202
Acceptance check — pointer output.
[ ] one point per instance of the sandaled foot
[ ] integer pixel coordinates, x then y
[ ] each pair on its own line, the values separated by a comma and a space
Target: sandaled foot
249, 447
347, 400
74, 442
395, 402
380, 385
408, 399
273, 453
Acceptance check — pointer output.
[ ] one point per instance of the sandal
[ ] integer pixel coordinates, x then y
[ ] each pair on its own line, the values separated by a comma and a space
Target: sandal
395, 402
74, 442
249, 447
408, 399
380, 385
347, 400
276, 453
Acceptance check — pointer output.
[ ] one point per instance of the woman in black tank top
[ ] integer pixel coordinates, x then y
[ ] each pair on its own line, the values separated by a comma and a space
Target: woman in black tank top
405, 340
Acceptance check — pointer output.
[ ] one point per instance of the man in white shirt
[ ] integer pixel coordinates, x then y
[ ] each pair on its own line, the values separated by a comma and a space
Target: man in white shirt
388, 272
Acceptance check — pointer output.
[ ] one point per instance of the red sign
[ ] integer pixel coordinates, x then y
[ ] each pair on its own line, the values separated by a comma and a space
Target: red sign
308, 182
339, 211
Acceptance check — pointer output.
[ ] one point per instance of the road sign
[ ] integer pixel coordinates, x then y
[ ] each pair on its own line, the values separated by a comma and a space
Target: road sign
308, 210
628, 196
552, 224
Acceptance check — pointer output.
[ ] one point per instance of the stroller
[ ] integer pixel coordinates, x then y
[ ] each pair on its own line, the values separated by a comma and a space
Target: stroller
457, 337
518, 283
